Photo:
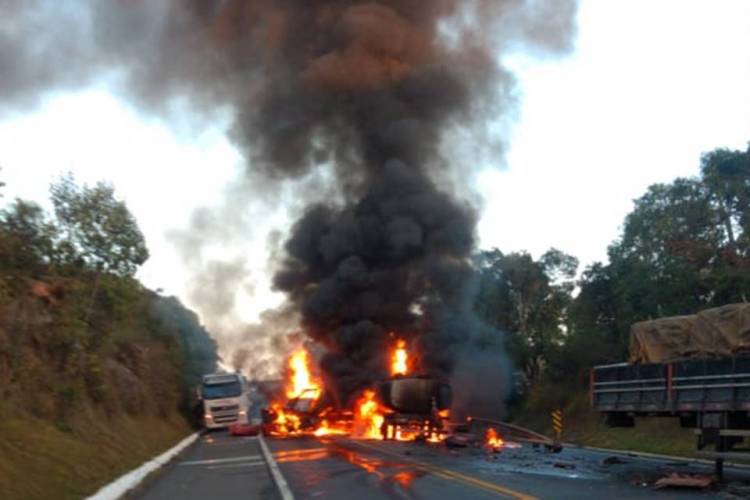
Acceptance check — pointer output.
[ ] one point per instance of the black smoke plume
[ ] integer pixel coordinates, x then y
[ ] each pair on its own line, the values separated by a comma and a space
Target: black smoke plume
374, 91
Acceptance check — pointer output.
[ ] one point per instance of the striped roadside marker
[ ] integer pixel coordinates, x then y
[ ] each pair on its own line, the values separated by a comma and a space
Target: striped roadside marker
557, 423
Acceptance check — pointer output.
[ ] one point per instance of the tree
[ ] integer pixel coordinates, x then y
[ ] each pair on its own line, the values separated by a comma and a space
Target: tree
101, 228
28, 238
670, 243
683, 248
527, 299
596, 330
727, 176
685, 245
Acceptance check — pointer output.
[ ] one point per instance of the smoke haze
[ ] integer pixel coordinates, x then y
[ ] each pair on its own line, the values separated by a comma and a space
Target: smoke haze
345, 110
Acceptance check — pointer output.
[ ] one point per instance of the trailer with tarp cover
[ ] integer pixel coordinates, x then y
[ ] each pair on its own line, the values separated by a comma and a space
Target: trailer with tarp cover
693, 368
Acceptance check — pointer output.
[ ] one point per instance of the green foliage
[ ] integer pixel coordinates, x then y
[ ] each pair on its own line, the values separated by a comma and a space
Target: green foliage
76, 329
528, 300
197, 347
727, 176
101, 228
683, 248
86, 352
27, 238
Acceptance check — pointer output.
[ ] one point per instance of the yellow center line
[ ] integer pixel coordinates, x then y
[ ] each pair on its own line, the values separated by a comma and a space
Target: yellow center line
452, 475
298, 451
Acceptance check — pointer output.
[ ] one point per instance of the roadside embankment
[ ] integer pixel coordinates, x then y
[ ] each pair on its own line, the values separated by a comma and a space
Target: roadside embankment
585, 427
38, 460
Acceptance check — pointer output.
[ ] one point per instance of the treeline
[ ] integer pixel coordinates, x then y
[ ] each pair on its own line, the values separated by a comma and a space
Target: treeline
77, 331
684, 247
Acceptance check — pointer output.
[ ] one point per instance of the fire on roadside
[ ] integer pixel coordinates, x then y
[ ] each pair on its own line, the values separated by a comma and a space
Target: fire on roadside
285, 423
326, 430
492, 440
368, 417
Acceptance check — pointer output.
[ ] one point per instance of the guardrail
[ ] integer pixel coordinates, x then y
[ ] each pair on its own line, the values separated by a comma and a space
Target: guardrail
699, 385
512, 432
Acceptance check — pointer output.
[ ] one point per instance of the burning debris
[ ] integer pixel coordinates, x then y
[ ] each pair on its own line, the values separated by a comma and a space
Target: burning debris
368, 420
492, 440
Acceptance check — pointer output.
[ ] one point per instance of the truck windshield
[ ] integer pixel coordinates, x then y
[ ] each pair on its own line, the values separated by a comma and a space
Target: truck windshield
218, 391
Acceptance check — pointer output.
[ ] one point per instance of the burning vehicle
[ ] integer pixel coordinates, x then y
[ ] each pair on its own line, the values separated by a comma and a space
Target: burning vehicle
301, 409
402, 407
415, 406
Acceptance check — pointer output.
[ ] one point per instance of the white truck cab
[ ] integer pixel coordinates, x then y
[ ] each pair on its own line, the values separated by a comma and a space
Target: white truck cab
226, 400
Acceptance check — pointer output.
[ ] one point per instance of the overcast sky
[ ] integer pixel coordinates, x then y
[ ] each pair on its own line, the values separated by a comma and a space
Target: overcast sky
651, 85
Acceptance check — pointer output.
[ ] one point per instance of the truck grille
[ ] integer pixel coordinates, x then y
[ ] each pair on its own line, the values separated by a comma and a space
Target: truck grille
224, 414
224, 408
225, 419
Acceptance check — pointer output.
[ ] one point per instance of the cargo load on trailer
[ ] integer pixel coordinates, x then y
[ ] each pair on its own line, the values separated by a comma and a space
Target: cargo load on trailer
693, 368
713, 333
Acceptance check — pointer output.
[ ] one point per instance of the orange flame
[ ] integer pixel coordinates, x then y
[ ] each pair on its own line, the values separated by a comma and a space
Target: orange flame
284, 423
493, 439
400, 359
326, 430
414, 431
406, 435
435, 438
301, 380
368, 418
299, 384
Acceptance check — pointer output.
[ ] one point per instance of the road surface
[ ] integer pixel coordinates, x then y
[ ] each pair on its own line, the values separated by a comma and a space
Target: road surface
217, 467
221, 467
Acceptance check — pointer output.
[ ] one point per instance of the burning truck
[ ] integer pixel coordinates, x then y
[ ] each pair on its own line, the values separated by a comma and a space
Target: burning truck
403, 407
416, 406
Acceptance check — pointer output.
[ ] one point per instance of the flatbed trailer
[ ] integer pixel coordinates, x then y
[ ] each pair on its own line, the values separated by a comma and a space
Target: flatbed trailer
711, 396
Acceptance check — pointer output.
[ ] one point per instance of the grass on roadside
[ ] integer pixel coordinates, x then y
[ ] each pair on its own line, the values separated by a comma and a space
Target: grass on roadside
39, 460
584, 426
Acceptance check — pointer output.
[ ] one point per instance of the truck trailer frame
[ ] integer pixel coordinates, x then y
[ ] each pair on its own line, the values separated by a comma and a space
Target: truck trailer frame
711, 396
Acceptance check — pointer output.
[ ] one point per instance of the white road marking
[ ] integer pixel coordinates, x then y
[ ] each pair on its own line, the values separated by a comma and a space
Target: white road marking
234, 441
120, 486
241, 464
216, 461
284, 490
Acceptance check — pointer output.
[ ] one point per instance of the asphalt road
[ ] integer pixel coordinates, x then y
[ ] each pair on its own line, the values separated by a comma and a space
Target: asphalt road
227, 468
217, 467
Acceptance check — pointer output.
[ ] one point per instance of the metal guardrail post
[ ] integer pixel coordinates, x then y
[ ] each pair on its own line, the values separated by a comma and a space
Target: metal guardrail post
670, 373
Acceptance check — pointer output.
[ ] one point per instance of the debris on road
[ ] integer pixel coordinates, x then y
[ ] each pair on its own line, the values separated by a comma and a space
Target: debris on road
613, 460
739, 489
237, 429
564, 465
638, 480
677, 480
460, 441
